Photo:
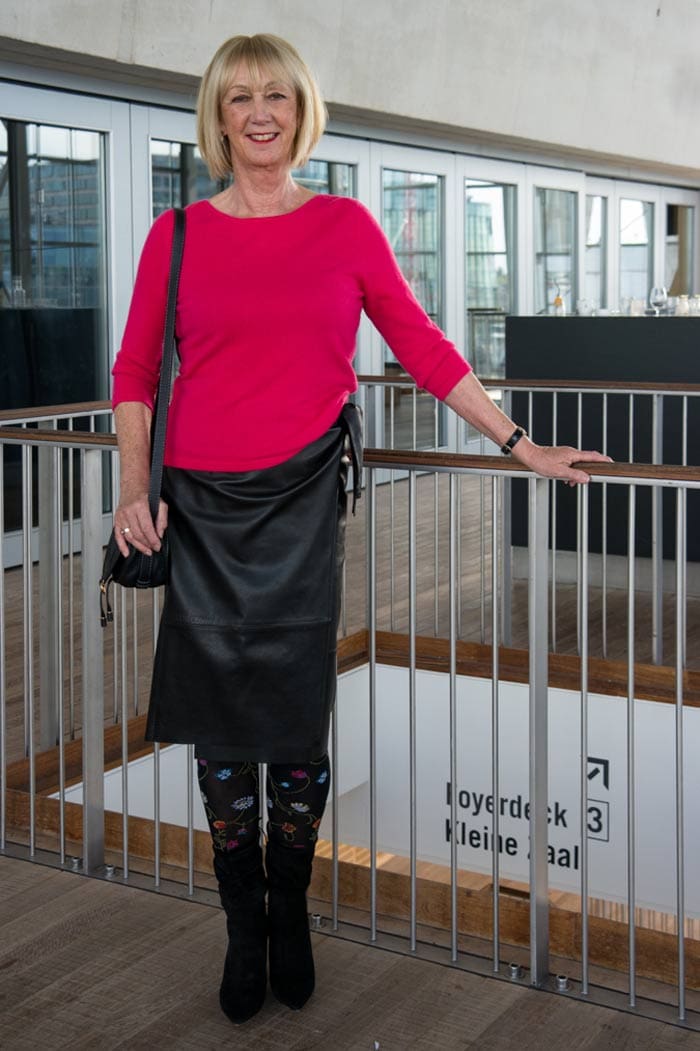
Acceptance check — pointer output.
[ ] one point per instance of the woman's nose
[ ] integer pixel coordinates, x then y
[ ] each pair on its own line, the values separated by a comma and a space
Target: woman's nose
261, 111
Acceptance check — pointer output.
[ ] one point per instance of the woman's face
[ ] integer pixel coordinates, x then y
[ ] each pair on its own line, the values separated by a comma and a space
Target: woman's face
260, 120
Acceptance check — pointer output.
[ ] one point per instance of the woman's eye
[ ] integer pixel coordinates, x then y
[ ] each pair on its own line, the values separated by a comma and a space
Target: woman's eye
275, 95
240, 98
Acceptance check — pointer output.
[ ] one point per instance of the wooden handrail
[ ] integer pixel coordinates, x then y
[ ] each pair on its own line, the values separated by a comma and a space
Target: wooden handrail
399, 458
43, 412
393, 459
71, 439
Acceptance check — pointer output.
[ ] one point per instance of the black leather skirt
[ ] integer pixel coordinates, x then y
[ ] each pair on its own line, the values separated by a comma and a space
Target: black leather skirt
245, 665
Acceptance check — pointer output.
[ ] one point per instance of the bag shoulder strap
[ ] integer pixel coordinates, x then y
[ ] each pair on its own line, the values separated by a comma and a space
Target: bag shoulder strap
160, 418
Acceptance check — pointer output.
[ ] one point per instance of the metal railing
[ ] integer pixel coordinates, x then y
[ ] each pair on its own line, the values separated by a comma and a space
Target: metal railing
107, 676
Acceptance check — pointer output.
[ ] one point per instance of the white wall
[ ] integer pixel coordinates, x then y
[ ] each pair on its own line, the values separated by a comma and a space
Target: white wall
614, 77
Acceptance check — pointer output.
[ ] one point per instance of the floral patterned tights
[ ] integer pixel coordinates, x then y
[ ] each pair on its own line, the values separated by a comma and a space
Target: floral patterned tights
296, 798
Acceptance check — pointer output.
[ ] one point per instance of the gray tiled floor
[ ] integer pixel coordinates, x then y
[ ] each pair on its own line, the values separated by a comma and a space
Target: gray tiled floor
90, 965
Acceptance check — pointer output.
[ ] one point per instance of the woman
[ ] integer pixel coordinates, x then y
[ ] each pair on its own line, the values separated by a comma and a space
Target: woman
273, 282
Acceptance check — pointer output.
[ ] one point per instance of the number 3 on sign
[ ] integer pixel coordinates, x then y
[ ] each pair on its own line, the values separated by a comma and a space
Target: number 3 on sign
598, 819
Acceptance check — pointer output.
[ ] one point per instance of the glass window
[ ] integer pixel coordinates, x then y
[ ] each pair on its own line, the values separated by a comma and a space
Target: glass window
179, 176
555, 249
490, 271
412, 217
595, 280
52, 265
636, 249
679, 249
327, 177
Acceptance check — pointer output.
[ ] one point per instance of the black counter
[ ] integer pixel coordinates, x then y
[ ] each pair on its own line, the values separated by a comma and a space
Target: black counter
659, 350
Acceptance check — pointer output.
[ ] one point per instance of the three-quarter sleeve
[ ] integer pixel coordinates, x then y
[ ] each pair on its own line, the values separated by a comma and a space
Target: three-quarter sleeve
418, 343
137, 366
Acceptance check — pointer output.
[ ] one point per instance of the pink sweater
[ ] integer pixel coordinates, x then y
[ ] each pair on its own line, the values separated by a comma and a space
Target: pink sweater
268, 311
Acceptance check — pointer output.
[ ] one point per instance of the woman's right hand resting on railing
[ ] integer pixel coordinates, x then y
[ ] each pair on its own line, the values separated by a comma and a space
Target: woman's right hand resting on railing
471, 401
132, 518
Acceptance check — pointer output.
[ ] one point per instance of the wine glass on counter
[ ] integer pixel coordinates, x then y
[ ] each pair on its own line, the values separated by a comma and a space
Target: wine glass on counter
658, 298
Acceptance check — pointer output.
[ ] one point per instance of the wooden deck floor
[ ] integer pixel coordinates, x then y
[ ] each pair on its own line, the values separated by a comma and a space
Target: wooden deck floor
85, 964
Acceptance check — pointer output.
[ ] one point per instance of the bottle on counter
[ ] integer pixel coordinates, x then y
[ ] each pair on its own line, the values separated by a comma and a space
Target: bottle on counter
559, 308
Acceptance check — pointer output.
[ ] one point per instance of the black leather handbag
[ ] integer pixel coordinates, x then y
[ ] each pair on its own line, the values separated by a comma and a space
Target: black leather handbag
137, 570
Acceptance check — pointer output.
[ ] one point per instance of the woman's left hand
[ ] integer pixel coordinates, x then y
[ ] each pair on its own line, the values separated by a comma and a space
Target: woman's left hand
557, 461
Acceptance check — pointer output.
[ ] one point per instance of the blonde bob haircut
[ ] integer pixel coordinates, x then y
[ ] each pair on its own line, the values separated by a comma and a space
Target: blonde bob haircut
266, 56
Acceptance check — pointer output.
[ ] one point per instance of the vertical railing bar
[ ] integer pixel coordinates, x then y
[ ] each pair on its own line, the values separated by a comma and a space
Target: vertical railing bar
123, 677
657, 552
414, 408
684, 430
604, 538
27, 568
156, 814
530, 416
413, 818
630, 435
92, 667
3, 695
482, 559
71, 589
135, 648
190, 819
506, 552
631, 549
372, 654
115, 623
495, 726
125, 780
57, 467
454, 784
436, 544
681, 496
538, 759
459, 557
579, 445
583, 598
436, 552
553, 586
335, 870
392, 551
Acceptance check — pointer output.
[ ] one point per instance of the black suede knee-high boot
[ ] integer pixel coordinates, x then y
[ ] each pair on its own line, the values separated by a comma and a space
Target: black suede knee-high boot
242, 889
292, 975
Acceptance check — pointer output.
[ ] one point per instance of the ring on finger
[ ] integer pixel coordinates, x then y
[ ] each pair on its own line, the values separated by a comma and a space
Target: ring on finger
125, 530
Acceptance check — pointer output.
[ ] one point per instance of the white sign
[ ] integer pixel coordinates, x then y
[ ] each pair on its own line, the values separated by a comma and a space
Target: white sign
607, 809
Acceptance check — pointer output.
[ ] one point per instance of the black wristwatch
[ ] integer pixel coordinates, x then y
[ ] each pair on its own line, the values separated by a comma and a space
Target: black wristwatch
515, 437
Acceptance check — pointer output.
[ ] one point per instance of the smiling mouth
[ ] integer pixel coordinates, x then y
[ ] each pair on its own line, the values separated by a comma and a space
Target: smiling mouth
267, 137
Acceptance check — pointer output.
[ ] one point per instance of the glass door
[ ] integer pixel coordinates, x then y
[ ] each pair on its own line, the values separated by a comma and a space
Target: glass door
412, 194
